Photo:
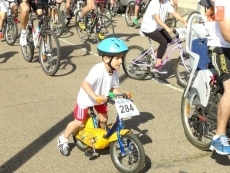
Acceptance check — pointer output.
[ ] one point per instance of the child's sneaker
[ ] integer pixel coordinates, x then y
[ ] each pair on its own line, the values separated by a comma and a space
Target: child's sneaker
63, 147
221, 145
159, 69
23, 39
100, 35
135, 21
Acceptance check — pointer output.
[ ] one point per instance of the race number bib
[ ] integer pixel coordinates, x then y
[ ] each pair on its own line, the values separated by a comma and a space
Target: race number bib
125, 108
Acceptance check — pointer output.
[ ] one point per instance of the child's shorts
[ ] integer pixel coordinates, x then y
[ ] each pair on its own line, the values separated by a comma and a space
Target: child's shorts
80, 114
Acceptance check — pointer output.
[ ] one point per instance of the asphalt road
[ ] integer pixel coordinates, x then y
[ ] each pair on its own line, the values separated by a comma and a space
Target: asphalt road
35, 109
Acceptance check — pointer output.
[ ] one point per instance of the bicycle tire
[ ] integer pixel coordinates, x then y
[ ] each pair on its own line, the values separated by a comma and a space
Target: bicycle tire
194, 12
181, 73
28, 50
11, 32
83, 34
199, 132
106, 29
62, 8
129, 13
134, 159
48, 57
132, 70
59, 25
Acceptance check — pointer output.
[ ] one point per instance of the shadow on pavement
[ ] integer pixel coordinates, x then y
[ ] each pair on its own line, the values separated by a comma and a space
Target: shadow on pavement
6, 56
221, 159
30, 150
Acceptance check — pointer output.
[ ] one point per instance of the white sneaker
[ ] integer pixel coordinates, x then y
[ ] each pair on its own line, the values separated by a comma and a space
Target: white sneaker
63, 147
23, 39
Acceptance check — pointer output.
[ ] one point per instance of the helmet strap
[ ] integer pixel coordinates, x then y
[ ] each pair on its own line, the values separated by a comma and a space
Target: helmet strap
109, 64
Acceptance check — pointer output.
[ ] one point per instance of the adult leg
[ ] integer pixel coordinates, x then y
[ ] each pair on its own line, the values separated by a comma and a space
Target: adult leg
175, 4
24, 16
136, 11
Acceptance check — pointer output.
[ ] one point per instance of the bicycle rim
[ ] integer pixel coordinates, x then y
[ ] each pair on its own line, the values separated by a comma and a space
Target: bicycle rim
49, 52
28, 50
11, 32
135, 67
57, 22
129, 13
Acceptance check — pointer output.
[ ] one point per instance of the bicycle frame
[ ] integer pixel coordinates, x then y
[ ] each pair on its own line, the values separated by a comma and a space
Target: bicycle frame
150, 50
118, 125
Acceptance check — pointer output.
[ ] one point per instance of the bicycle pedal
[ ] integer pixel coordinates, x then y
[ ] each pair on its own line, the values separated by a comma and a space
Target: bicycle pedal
89, 153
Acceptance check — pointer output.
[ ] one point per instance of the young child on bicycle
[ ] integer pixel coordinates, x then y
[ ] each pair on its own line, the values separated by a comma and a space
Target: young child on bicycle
101, 79
153, 26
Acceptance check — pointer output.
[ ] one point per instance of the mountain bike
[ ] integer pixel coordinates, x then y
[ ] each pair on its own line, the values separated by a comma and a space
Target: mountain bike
138, 62
130, 11
10, 27
46, 40
95, 24
126, 150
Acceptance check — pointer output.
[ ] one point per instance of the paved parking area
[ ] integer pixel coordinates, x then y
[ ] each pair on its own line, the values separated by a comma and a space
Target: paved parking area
35, 109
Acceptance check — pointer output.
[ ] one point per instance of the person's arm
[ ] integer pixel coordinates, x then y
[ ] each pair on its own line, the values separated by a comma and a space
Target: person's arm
161, 23
88, 89
225, 29
177, 16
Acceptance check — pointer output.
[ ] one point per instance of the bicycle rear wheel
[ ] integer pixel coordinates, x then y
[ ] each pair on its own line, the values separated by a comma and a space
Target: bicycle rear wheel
57, 22
170, 21
82, 33
129, 13
136, 69
11, 32
107, 13
49, 52
198, 130
182, 71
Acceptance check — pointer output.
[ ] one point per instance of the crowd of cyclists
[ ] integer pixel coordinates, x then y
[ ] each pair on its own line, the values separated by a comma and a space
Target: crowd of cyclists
153, 26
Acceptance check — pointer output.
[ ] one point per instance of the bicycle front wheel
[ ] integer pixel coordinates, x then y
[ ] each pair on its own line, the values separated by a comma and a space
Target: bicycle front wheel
57, 22
183, 70
62, 8
129, 13
28, 50
49, 52
135, 64
11, 32
134, 158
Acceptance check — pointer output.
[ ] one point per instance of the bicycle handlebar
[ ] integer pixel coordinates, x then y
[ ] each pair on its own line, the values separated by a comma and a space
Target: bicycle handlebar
111, 96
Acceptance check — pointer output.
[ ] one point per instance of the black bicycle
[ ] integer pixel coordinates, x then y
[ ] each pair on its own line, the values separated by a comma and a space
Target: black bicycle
46, 40
10, 28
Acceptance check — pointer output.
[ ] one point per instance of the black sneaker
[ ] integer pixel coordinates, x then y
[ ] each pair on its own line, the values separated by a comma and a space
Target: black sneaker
63, 148
159, 69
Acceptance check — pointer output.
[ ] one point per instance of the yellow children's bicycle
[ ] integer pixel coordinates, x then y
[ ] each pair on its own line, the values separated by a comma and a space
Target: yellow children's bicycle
126, 150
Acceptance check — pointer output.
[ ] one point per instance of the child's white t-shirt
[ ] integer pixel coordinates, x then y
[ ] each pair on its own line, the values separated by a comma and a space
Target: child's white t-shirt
155, 7
101, 82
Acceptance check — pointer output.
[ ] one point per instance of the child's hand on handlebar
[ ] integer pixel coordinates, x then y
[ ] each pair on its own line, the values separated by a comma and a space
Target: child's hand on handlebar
101, 99
128, 94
